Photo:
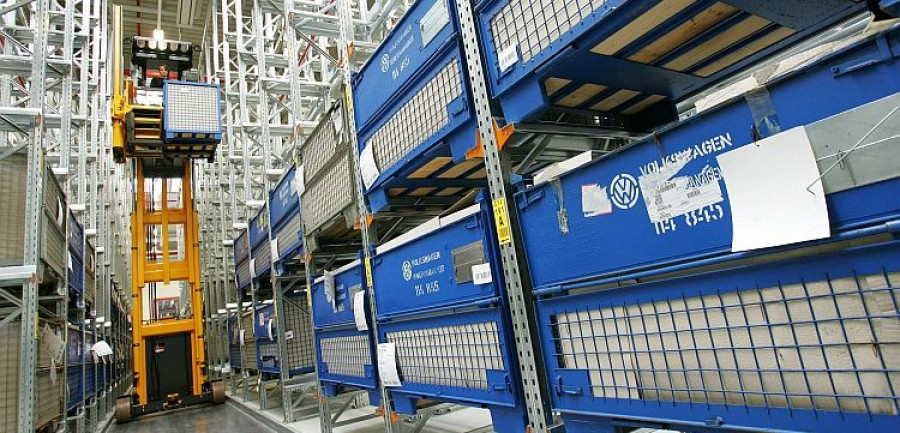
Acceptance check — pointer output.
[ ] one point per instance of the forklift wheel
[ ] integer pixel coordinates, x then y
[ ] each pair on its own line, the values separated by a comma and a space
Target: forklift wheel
218, 392
123, 410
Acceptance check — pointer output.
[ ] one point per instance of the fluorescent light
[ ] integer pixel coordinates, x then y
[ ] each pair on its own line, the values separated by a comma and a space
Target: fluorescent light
159, 34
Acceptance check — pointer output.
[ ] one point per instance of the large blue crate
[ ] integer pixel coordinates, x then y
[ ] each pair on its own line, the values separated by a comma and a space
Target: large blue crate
578, 250
430, 308
192, 113
234, 342
412, 104
287, 227
345, 355
784, 344
260, 249
241, 247
74, 373
242, 261
431, 266
298, 336
630, 60
76, 275
76, 236
90, 367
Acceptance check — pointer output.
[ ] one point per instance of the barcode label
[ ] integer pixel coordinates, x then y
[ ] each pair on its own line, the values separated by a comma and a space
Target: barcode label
481, 274
508, 57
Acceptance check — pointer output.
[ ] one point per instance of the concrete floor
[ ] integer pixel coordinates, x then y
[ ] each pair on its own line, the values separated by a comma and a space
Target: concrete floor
208, 419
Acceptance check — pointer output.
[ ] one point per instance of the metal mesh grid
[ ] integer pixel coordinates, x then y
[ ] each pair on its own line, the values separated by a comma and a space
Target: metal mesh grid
298, 322
420, 118
825, 345
262, 256
457, 355
533, 25
241, 247
329, 195
243, 272
288, 234
322, 144
347, 355
192, 108
249, 342
47, 391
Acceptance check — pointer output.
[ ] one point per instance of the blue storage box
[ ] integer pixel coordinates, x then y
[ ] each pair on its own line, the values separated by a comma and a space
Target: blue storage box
298, 336
76, 237
431, 308
624, 63
192, 114
260, 249
287, 230
834, 97
413, 107
345, 355
76, 275
234, 342
90, 367
74, 373
791, 344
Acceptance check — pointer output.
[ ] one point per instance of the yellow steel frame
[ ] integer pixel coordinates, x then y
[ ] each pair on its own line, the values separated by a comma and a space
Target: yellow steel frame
165, 271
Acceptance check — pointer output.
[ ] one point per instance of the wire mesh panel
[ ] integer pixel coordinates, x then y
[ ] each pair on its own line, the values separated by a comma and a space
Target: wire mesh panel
298, 335
324, 142
819, 337
192, 108
329, 195
47, 388
533, 25
449, 355
346, 355
249, 341
419, 118
289, 236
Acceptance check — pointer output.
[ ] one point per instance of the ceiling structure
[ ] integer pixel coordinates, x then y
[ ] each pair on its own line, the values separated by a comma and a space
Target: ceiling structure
182, 20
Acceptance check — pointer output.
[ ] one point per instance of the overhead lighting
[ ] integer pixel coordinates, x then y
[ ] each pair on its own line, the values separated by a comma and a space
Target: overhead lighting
159, 34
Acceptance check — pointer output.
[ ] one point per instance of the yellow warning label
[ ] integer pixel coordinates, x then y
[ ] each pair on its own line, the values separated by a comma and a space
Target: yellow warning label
502, 221
368, 262
349, 97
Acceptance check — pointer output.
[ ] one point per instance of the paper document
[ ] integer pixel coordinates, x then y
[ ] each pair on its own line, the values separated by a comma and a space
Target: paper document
367, 166
481, 274
387, 364
776, 198
359, 311
595, 200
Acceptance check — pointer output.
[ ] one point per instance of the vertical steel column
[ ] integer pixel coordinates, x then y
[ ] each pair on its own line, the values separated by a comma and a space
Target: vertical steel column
517, 287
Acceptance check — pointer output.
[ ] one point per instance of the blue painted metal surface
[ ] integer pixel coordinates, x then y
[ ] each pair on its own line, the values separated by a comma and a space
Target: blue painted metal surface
602, 246
234, 342
242, 261
629, 50
430, 308
345, 355
749, 348
260, 251
422, 45
428, 272
284, 203
298, 334
74, 374
90, 367
76, 236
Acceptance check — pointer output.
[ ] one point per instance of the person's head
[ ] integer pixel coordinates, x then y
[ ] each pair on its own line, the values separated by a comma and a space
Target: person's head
163, 71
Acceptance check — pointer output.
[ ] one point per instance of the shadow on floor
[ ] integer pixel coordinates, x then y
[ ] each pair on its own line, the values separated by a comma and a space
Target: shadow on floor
207, 419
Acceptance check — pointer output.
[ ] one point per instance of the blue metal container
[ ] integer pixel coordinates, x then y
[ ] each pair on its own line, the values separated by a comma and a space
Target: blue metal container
565, 248
629, 60
298, 336
260, 249
192, 113
287, 227
432, 265
74, 374
90, 367
779, 345
76, 276
242, 261
412, 103
345, 355
431, 309
234, 342
241, 247
76, 237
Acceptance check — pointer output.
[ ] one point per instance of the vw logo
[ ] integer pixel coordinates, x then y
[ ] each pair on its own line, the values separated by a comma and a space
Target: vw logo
407, 270
385, 62
624, 191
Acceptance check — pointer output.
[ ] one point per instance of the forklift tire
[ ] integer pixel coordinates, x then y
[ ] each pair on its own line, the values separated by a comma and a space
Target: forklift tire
123, 410
218, 392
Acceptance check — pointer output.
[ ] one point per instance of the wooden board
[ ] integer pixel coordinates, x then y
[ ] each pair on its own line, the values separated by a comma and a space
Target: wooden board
640, 26
746, 51
722, 41
614, 100
682, 34
580, 95
431, 167
642, 105
553, 84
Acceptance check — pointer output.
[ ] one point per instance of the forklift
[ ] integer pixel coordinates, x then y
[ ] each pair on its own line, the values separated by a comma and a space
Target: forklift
164, 120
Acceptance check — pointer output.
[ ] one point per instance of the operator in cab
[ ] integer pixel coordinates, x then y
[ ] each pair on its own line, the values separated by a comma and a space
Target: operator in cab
157, 82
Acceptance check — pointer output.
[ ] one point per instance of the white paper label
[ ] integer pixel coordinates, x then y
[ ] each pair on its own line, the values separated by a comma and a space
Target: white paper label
69, 261
433, 21
253, 267
288, 335
337, 122
667, 196
59, 211
508, 57
481, 274
328, 283
274, 246
776, 198
595, 200
367, 166
387, 365
299, 181
359, 311
242, 337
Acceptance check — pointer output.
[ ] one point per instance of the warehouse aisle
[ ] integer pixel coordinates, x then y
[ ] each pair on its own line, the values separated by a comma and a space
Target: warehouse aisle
209, 419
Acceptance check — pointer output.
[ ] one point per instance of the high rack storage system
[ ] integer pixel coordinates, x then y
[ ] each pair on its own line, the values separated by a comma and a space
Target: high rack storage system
682, 48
